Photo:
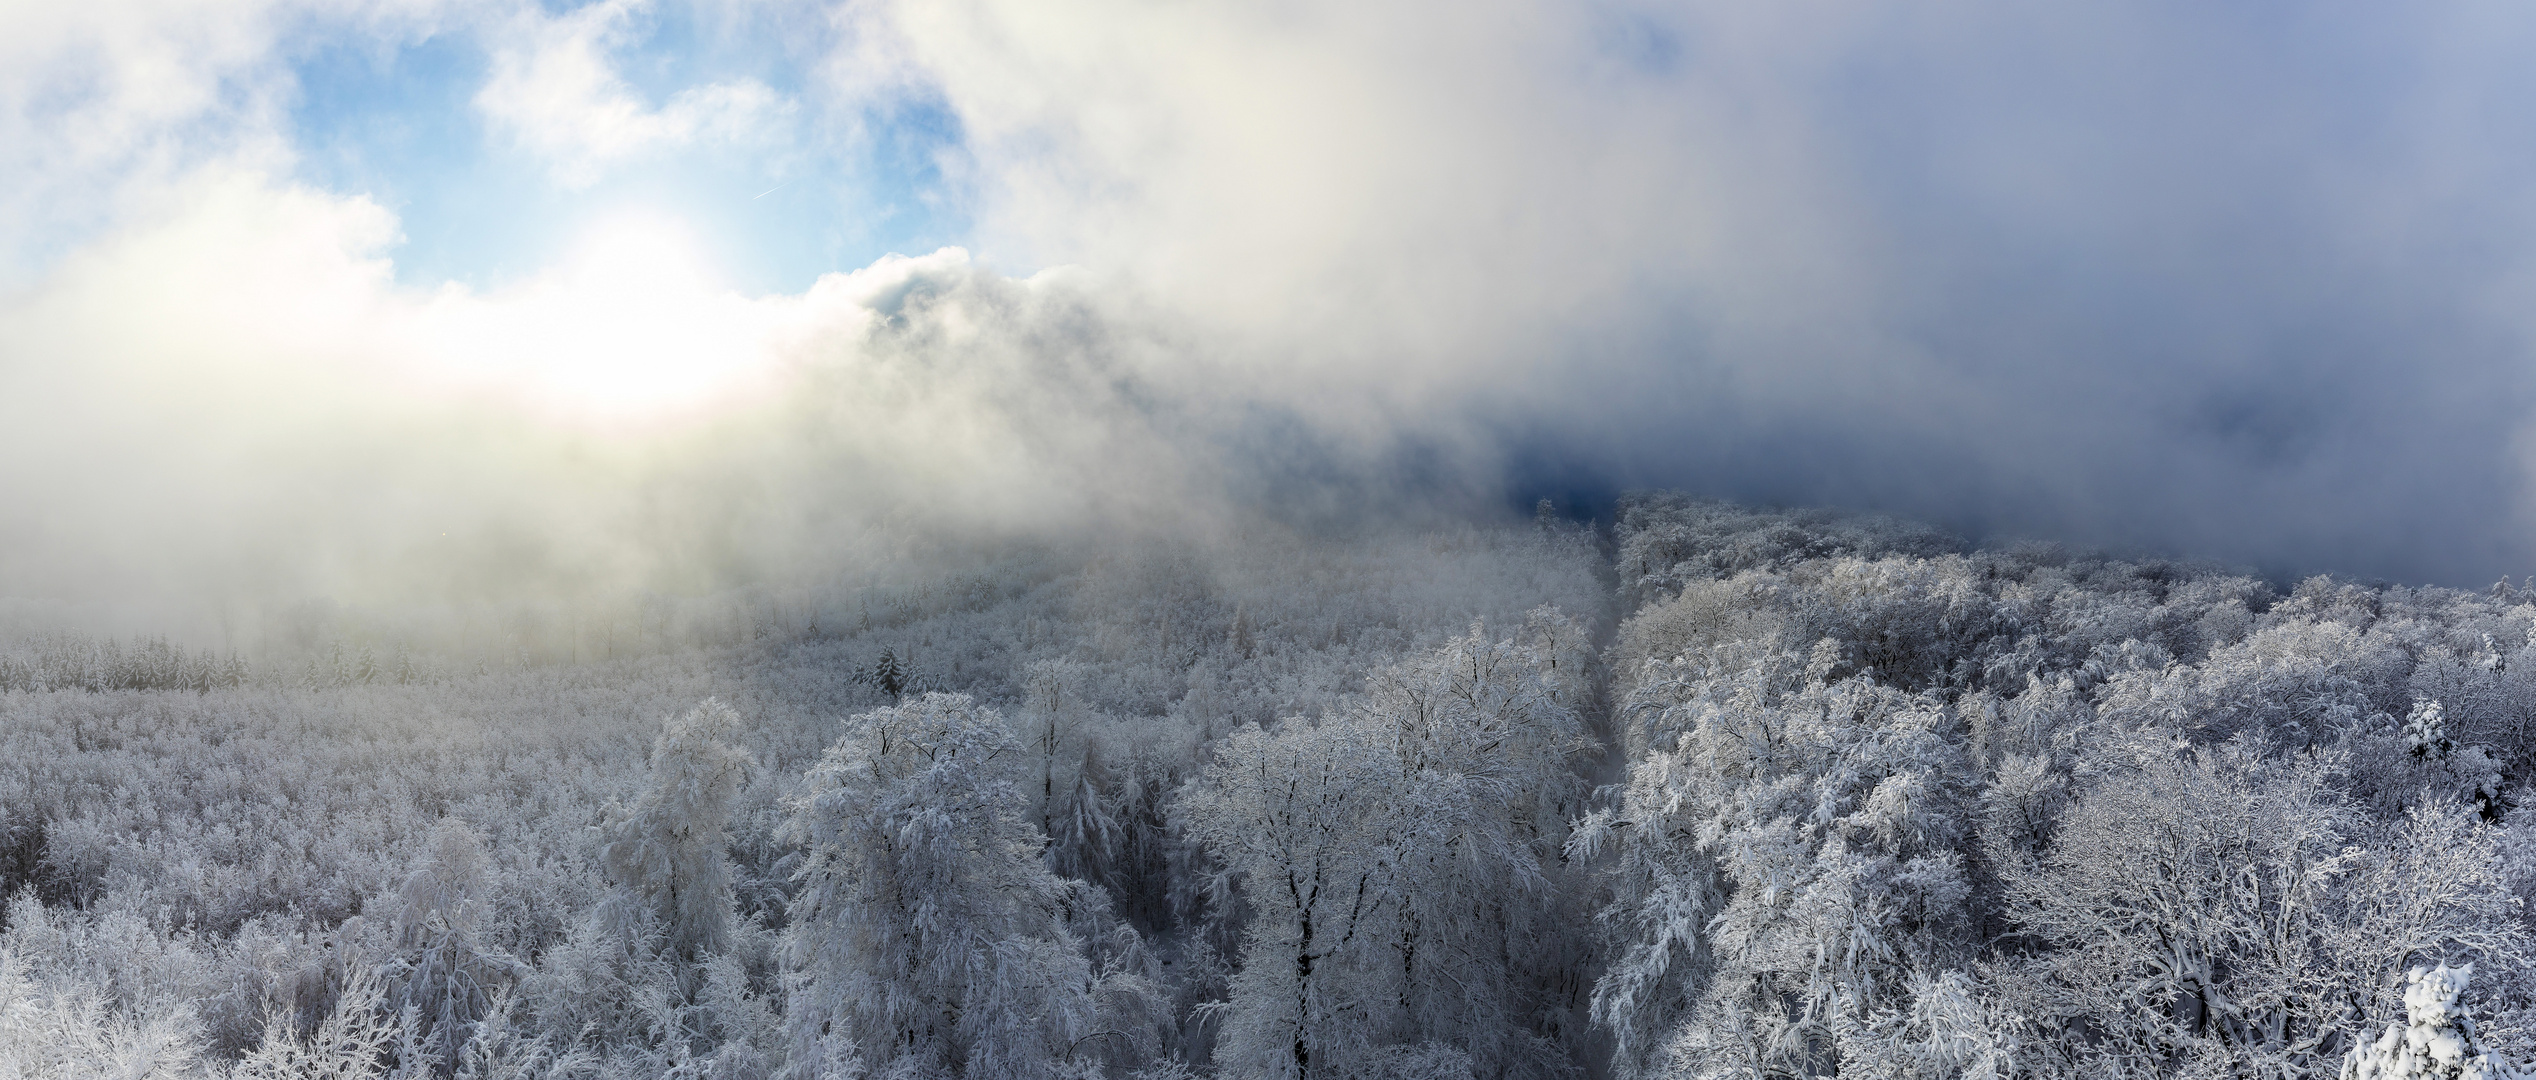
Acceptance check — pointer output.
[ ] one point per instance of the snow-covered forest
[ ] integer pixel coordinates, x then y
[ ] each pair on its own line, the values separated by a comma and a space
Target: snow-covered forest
1702, 791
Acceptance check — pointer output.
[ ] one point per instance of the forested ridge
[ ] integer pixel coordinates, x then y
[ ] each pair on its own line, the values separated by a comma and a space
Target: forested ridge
1701, 791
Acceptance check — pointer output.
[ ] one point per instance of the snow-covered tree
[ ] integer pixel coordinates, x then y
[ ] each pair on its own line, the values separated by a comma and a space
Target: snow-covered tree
2228, 905
1487, 733
360, 1038
505, 1048
74, 1032
1781, 867
1397, 860
445, 970
2436, 1039
669, 853
1305, 818
927, 935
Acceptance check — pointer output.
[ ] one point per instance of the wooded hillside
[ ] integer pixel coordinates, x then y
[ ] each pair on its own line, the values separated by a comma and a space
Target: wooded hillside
1705, 791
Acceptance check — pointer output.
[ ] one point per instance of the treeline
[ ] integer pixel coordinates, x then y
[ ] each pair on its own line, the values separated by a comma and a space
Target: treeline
50, 662
1715, 792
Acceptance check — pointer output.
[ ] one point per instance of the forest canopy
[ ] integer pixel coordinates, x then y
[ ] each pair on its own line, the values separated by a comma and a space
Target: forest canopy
1698, 790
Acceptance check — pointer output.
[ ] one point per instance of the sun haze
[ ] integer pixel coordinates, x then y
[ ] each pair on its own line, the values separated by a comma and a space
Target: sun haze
632, 326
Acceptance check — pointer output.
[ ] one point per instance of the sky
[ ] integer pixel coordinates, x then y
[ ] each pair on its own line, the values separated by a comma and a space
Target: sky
378, 300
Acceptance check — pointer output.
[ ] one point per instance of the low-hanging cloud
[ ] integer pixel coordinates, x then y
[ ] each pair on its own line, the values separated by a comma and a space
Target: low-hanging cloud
2246, 284
2242, 281
289, 424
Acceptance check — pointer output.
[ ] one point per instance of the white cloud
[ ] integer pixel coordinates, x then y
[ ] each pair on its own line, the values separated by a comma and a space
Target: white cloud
100, 102
2107, 271
223, 392
232, 401
108, 107
559, 94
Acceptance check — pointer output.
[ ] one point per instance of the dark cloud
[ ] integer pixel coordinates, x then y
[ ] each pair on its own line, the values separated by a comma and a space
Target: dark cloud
2241, 280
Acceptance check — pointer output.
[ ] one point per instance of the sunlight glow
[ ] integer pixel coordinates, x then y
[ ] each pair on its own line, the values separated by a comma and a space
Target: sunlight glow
631, 327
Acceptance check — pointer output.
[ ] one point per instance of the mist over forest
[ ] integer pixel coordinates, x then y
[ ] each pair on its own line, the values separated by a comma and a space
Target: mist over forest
925, 539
